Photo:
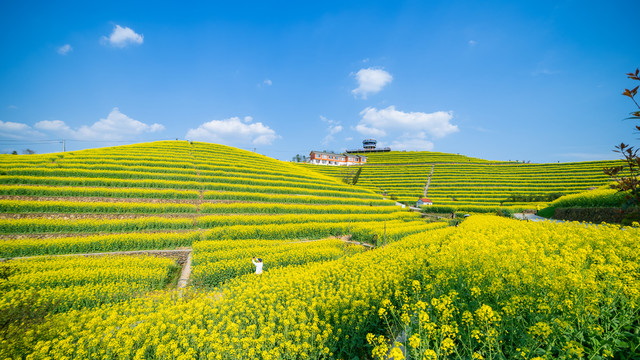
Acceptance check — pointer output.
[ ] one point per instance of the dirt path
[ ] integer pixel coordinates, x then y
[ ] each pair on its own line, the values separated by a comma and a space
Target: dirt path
185, 274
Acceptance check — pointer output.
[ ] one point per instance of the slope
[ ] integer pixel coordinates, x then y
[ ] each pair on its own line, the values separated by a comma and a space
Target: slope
468, 183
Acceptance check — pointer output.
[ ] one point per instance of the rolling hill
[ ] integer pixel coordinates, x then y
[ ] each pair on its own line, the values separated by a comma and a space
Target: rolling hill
98, 244
463, 181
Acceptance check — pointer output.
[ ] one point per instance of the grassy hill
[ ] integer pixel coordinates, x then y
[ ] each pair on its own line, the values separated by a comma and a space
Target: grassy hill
175, 185
490, 286
422, 157
472, 183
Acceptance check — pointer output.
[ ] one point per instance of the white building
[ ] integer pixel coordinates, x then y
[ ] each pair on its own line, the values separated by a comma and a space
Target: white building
327, 158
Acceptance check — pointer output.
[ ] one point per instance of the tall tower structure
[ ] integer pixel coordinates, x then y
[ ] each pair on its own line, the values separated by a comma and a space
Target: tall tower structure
369, 144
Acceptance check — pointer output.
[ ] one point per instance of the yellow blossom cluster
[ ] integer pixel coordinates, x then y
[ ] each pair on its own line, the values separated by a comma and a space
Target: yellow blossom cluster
244, 208
315, 310
499, 288
215, 262
370, 231
97, 191
23, 206
96, 243
95, 224
33, 288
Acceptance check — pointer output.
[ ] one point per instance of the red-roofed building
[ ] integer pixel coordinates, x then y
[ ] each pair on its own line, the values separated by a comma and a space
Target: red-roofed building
424, 201
326, 158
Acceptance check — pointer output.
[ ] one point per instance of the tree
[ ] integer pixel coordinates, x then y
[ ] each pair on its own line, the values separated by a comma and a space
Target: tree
29, 152
356, 176
627, 176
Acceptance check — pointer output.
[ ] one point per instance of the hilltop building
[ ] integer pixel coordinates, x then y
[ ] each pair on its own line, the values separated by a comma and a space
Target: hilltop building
369, 145
424, 201
327, 158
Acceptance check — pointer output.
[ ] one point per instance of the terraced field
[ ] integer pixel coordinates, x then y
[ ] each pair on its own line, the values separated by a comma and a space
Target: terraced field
89, 270
225, 204
475, 184
424, 157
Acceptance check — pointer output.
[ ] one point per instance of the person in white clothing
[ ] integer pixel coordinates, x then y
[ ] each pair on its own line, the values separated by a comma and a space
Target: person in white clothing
258, 263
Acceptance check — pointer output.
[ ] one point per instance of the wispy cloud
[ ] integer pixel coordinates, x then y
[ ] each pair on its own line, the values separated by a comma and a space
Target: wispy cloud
18, 131
371, 81
417, 142
544, 71
122, 37
234, 131
64, 49
333, 128
546, 66
481, 129
472, 43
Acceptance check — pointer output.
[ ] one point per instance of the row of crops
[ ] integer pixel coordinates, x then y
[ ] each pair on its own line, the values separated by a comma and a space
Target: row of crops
225, 204
64, 206
478, 184
422, 157
34, 288
367, 230
489, 288
198, 167
148, 223
480, 290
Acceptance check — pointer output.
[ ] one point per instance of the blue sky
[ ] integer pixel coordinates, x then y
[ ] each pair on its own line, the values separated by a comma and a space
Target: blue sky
501, 80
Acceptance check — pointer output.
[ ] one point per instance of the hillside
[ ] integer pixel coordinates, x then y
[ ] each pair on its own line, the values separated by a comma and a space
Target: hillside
468, 183
175, 185
423, 157
167, 232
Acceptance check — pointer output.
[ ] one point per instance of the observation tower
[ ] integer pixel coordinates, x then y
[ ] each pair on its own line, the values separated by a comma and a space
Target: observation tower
369, 145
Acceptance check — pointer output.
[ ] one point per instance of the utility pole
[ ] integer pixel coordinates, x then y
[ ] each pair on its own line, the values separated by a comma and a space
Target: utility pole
64, 146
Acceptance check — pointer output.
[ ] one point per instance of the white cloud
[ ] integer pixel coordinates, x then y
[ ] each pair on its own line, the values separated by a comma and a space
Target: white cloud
472, 43
14, 130
411, 130
371, 81
333, 129
267, 82
117, 126
123, 36
64, 49
417, 142
435, 124
53, 125
12, 107
370, 131
233, 131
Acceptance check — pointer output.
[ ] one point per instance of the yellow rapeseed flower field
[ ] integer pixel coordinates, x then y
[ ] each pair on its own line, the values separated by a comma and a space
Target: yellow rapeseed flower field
490, 288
